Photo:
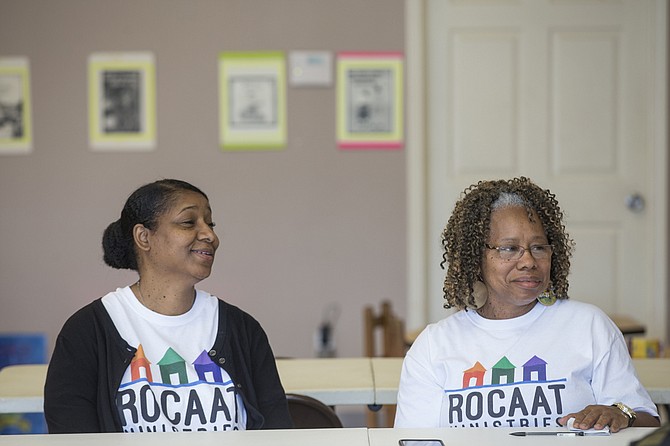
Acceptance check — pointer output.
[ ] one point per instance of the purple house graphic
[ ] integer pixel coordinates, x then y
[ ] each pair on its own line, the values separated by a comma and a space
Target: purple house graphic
537, 366
203, 365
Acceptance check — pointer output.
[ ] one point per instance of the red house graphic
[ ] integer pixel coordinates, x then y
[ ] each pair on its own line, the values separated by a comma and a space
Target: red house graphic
476, 372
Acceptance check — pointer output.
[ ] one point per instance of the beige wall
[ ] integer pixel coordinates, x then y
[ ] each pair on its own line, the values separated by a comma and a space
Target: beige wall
301, 228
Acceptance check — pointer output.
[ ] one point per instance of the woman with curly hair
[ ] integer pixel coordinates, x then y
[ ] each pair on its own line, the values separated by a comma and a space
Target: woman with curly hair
518, 353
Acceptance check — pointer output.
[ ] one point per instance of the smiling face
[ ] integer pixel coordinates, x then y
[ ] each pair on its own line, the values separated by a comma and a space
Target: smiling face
513, 285
183, 245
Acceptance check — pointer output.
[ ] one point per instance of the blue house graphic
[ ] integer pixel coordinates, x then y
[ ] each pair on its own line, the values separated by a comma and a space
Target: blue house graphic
204, 364
535, 366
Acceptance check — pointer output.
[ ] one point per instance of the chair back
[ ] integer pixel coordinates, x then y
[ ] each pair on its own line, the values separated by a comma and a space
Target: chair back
310, 413
391, 328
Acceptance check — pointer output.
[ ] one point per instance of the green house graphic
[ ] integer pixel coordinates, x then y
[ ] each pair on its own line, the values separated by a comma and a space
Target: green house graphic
503, 369
172, 364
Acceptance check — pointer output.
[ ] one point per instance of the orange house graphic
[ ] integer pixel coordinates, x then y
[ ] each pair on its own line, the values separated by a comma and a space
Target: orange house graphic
140, 363
476, 373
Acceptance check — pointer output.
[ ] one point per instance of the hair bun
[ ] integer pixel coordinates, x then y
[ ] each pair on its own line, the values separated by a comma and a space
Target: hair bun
115, 247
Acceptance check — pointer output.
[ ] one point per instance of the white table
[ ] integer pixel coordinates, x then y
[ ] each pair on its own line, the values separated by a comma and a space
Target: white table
654, 375
322, 437
22, 388
333, 381
339, 381
386, 374
295, 437
501, 437
336, 381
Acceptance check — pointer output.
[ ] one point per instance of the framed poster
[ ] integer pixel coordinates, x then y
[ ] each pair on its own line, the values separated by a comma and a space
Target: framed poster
15, 107
252, 101
122, 101
370, 100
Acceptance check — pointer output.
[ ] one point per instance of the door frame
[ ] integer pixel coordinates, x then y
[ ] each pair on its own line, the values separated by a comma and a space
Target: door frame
417, 158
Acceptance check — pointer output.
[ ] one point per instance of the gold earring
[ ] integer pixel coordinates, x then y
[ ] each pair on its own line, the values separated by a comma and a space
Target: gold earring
547, 298
480, 295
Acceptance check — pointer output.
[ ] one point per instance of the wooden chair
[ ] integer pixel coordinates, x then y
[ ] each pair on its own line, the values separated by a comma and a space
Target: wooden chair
385, 337
391, 328
309, 413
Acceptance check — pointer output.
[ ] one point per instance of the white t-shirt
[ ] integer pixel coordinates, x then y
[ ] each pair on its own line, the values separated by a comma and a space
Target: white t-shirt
172, 385
468, 371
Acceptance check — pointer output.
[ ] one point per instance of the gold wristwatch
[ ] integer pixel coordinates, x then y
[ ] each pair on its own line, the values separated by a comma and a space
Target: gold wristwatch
630, 413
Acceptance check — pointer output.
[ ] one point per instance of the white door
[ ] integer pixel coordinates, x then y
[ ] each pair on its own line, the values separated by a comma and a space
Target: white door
568, 93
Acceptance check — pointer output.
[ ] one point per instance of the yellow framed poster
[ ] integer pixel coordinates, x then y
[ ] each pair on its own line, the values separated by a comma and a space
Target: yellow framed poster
252, 101
370, 100
122, 101
16, 135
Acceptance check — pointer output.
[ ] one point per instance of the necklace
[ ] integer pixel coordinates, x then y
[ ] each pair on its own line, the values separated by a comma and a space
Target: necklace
139, 293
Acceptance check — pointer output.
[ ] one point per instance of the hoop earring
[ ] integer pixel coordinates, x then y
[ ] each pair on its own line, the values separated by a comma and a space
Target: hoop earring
548, 297
480, 295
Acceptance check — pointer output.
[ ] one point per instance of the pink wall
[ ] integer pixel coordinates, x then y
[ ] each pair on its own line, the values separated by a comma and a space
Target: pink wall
301, 228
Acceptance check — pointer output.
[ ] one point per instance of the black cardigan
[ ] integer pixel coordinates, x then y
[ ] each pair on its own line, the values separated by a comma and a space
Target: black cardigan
90, 357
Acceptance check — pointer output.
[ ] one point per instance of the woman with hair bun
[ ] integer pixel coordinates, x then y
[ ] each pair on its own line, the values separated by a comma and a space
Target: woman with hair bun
160, 355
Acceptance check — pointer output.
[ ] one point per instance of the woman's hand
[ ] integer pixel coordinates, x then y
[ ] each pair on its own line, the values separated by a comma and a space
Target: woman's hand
597, 417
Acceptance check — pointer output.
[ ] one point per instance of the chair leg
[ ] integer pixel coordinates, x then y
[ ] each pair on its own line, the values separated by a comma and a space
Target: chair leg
389, 412
371, 419
382, 418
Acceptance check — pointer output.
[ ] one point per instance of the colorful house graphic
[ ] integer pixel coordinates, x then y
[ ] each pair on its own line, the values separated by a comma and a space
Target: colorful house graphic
503, 372
204, 365
536, 366
476, 373
140, 363
171, 363
503, 369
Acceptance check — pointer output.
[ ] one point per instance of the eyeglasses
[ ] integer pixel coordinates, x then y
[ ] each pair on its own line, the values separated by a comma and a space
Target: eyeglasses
515, 252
